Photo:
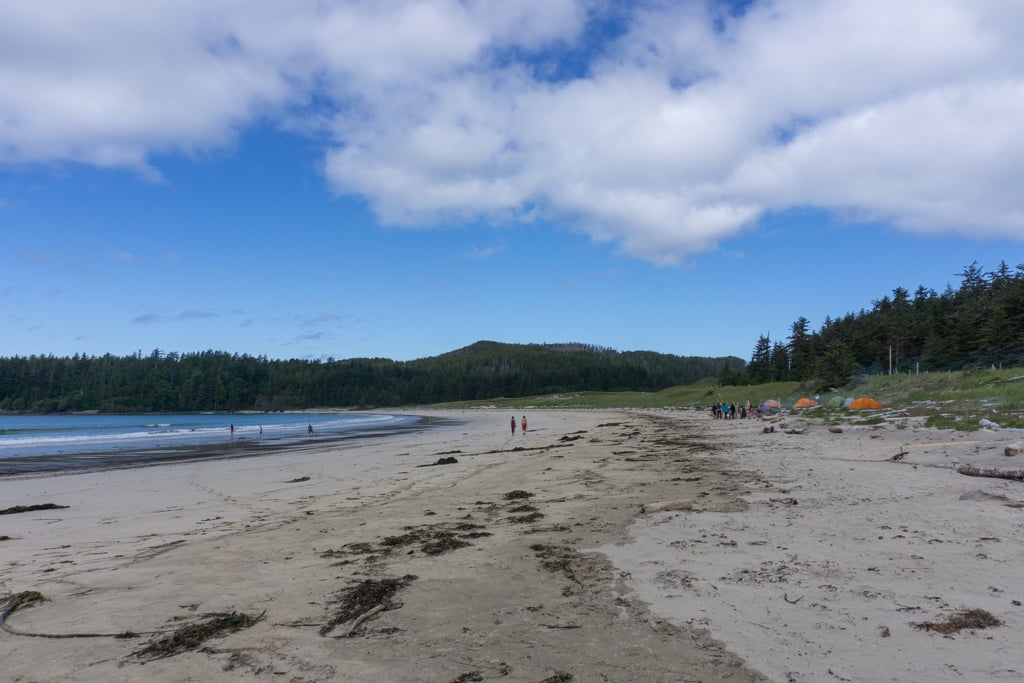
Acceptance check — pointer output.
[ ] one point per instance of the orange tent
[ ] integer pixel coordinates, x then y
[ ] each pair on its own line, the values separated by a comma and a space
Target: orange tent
864, 403
805, 403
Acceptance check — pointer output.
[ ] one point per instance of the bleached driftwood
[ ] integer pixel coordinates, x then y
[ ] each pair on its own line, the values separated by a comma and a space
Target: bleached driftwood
996, 427
972, 471
363, 617
668, 506
790, 426
839, 429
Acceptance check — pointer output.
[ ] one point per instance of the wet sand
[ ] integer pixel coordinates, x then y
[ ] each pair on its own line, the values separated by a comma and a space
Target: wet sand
801, 557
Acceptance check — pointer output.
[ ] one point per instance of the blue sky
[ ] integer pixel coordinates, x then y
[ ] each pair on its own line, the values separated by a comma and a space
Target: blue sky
401, 179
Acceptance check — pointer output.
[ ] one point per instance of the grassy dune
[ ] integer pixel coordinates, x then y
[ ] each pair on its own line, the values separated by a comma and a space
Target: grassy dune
954, 400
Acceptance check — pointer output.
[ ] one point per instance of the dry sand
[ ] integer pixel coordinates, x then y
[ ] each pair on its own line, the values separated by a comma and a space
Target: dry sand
803, 557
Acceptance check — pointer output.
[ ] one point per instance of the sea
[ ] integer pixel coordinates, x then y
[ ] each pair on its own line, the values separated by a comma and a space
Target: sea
31, 444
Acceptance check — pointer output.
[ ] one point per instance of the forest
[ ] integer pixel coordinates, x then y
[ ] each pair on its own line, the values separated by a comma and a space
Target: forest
979, 323
220, 381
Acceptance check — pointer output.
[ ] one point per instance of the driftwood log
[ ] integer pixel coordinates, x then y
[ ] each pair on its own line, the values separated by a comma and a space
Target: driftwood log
789, 426
972, 471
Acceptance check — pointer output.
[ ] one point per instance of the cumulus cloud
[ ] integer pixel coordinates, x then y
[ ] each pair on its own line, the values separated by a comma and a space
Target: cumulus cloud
661, 127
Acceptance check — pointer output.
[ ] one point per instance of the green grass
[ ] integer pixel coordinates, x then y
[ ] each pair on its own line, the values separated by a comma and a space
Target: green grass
954, 400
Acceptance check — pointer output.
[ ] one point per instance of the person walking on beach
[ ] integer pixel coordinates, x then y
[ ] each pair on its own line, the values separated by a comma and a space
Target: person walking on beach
524, 424
309, 430
513, 425
232, 431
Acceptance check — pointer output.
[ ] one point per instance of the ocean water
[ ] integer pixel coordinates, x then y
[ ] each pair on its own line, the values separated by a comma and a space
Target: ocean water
42, 443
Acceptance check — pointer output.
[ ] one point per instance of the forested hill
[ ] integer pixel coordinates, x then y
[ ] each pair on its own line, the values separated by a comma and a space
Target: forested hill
214, 380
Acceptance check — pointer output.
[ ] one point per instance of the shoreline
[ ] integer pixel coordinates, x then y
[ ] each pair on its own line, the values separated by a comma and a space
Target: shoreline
55, 464
581, 584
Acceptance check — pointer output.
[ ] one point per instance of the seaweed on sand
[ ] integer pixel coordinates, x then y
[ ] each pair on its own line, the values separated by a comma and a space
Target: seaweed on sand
443, 542
32, 508
960, 620
348, 549
556, 559
527, 519
559, 677
518, 494
368, 595
433, 540
191, 636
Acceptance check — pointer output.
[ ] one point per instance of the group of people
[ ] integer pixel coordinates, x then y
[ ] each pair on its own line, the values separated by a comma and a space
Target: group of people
514, 425
730, 411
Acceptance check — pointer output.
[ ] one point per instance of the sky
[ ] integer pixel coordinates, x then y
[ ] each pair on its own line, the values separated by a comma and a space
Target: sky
399, 179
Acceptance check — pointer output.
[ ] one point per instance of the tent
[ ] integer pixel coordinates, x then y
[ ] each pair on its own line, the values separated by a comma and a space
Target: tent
806, 403
864, 403
835, 402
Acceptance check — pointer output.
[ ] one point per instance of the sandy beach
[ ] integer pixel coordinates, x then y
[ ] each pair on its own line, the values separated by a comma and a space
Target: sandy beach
789, 557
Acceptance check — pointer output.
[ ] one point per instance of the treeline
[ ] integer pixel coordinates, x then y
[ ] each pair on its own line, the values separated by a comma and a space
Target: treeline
980, 323
219, 381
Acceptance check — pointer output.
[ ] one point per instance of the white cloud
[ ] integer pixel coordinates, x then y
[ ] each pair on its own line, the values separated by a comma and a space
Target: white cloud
480, 253
676, 134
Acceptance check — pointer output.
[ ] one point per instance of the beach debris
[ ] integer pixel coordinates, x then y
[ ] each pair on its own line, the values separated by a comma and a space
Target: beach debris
29, 598
785, 597
443, 542
996, 427
358, 621
972, 471
191, 636
469, 677
960, 620
32, 508
364, 600
17, 601
348, 549
839, 429
518, 494
448, 460
982, 496
899, 454
436, 539
789, 426
556, 559
297, 480
1013, 449
667, 506
559, 677
527, 519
